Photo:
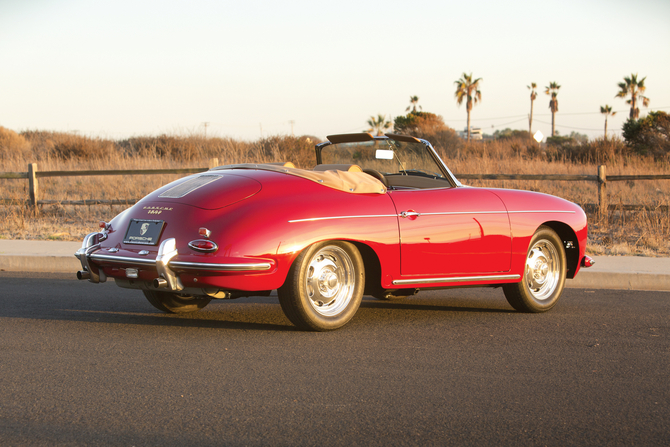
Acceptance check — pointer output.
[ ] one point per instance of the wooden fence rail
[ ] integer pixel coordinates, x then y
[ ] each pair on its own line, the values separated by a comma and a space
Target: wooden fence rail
601, 178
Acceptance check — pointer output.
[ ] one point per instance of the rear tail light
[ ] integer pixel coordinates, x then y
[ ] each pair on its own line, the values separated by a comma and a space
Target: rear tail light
203, 245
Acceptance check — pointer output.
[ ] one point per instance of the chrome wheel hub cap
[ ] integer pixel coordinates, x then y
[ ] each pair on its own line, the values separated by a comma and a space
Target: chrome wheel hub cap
542, 270
330, 281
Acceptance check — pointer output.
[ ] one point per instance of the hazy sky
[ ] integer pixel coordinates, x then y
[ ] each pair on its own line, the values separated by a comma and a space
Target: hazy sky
122, 68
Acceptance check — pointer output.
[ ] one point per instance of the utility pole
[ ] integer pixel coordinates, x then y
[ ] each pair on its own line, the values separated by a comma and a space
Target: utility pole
292, 123
205, 124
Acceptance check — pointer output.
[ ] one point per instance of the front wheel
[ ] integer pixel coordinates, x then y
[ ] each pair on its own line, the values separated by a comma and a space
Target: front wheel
173, 303
324, 287
544, 274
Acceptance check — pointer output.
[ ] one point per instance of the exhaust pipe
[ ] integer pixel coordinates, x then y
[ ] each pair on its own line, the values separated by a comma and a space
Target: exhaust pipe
160, 283
83, 274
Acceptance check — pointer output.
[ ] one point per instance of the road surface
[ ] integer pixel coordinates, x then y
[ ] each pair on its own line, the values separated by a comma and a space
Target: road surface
85, 364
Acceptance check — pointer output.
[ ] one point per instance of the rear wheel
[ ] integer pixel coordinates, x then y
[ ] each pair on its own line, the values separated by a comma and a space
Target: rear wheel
544, 274
174, 303
324, 287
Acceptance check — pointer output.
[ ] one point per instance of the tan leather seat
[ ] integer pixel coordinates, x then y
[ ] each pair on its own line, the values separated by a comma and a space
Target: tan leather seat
338, 167
283, 164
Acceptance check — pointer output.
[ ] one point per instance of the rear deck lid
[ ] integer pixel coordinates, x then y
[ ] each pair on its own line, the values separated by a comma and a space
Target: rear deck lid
207, 190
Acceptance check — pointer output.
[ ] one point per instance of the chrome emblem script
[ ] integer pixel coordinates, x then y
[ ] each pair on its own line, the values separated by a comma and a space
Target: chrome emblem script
156, 209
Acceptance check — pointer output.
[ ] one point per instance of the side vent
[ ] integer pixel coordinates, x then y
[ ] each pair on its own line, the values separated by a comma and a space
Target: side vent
182, 189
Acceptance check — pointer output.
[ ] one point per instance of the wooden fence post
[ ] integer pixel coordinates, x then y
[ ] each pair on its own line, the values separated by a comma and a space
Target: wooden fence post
602, 189
32, 184
213, 163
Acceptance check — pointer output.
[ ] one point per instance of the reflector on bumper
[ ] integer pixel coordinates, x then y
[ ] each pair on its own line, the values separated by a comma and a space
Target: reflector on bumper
587, 261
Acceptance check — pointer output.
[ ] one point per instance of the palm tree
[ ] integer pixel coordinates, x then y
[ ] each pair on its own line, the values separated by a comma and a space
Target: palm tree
468, 89
607, 111
379, 124
631, 86
413, 103
552, 90
533, 95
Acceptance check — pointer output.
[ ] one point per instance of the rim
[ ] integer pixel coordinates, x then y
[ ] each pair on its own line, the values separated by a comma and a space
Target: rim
542, 269
330, 281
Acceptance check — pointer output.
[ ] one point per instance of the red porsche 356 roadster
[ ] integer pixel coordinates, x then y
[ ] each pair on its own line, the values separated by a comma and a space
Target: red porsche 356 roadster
381, 216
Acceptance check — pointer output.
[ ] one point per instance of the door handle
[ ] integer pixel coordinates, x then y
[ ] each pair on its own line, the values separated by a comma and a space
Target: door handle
410, 213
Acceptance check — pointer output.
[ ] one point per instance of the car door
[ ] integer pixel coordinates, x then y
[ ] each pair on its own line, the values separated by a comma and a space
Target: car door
459, 231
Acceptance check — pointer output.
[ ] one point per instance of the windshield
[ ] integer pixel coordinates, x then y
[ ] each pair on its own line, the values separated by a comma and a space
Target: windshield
395, 160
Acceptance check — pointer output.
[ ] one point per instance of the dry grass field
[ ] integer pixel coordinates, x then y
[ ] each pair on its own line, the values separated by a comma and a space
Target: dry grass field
645, 233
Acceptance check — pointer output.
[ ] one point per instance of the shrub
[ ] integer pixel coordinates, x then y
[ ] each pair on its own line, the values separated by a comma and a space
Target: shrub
649, 135
507, 134
432, 128
598, 151
298, 150
13, 145
66, 146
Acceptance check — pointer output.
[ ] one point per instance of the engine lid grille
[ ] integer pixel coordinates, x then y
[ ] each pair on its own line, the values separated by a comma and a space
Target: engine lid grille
182, 189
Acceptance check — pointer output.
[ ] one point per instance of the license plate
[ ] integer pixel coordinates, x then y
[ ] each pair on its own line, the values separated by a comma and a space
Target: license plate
144, 232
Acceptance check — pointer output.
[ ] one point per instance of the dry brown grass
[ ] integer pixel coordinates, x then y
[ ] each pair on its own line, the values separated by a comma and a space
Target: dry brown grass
630, 233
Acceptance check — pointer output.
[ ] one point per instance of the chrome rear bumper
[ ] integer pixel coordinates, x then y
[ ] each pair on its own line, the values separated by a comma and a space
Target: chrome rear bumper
164, 264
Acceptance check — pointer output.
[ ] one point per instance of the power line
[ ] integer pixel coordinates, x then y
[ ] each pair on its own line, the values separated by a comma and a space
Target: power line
569, 127
491, 119
549, 114
511, 122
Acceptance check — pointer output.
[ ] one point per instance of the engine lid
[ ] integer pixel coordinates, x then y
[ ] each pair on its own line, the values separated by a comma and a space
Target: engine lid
208, 191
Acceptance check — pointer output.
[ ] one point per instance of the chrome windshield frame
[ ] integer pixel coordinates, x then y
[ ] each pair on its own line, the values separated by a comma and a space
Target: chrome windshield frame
365, 137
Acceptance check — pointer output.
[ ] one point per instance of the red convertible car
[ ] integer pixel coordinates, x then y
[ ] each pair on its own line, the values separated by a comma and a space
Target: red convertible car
381, 216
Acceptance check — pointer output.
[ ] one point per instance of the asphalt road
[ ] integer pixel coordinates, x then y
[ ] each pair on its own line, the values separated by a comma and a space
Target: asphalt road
85, 364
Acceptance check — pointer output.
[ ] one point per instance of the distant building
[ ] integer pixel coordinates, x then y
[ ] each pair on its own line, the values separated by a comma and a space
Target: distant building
475, 133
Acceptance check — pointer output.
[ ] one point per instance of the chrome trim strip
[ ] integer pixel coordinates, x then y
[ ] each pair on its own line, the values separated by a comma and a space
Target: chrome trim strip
446, 213
313, 219
221, 267
541, 211
183, 265
456, 279
458, 213
122, 259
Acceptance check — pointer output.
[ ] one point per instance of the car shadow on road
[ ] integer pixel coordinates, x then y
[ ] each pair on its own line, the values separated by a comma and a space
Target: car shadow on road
250, 316
406, 305
55, 299
200, 320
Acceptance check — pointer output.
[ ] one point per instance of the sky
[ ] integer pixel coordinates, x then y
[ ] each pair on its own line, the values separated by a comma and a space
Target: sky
251, 69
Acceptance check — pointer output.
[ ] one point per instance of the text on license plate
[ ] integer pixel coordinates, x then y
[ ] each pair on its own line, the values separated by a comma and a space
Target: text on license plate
144, 232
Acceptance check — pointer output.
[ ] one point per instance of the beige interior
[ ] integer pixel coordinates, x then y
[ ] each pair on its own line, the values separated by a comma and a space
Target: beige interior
348, 178
337, 167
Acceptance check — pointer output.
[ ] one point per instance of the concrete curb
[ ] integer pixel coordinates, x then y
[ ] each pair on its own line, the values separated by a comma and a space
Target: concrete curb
621, 281
625, 272
609, 272
45, 263
39, 256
